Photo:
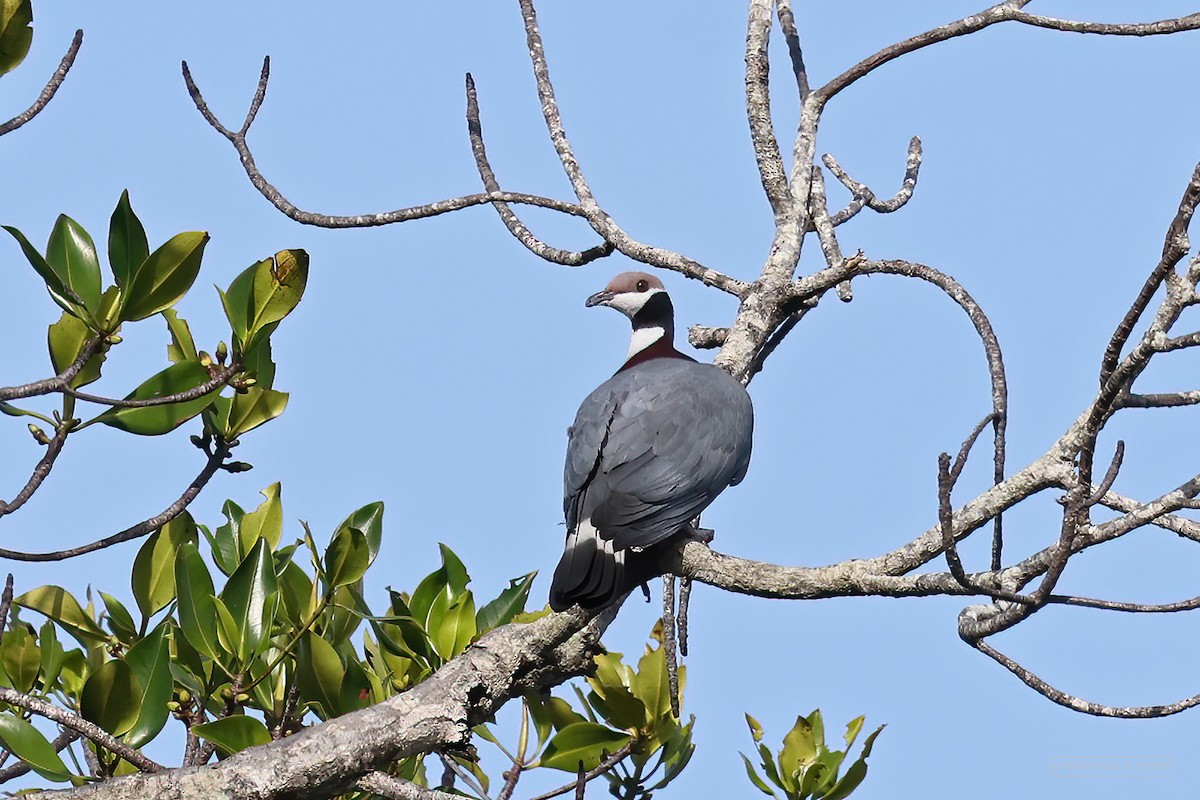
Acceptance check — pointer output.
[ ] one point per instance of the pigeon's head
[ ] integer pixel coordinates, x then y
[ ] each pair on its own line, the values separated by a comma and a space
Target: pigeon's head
628, 293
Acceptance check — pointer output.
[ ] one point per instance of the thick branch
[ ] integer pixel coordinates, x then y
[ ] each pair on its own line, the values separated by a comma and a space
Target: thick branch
47, 93
758, 109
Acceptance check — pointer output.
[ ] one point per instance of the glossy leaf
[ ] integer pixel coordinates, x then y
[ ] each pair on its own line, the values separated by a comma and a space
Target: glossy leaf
251, 596
30, 746
51, 653
234, 733
260, 365
56, 283
369, 520
252, 408
127, 245
584, 742
226, 540
164, 276
347, 557
319, 672
65, 340
111, 697
16, 33
71, 253
855, 772
197, 611
510, 603
21, 657
120, 622
150, 661
59, 605
799, 749
153, 577
264, 522
263, 294
182, 346
755, 779
650, 682
157, 420
456, 628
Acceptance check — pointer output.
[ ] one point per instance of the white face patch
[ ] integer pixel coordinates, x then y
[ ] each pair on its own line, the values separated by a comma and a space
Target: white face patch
629, 303
643, 338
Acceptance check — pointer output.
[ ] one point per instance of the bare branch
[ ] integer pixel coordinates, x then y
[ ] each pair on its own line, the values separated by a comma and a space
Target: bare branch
600, 221
758, 109
218, 379
394, 788
6, 602
40, 471
671, 655
511, 221
144, 528
864, 196
1110, 476
1175, 247
1077, 704
80, 725
47, 93
238, 140
787, 23
59, 382
1169, 400
703, 337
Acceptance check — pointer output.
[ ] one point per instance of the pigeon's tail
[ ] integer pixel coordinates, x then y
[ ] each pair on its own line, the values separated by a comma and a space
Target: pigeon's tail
591, 573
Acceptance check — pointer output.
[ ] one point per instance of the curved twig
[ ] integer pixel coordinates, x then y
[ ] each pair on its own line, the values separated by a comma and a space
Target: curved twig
59, 382
144, 528
48, 92
81, 726
510, 219
40, 471
238, 140
601, 768
1078, 704
212, 384
863, 196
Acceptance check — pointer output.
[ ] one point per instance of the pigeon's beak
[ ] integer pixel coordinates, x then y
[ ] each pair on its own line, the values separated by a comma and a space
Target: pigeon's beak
599, 299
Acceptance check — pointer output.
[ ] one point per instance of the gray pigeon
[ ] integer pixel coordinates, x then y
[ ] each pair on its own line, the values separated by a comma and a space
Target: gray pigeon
650, 448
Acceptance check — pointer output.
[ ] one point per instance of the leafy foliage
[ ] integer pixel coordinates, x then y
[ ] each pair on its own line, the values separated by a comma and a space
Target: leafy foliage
805, 767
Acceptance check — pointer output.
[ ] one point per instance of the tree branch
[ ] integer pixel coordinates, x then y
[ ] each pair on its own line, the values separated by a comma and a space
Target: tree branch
48, 92
81, 726
40, 471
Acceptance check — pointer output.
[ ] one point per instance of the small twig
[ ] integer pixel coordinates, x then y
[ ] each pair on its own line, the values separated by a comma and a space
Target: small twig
6, 602
60, 381
681, 617
1132, 608
215, 460
73, 721
604, 766
580, 783
212, 384
47, 93
510, 219
787, 23
1109, 477
467, 778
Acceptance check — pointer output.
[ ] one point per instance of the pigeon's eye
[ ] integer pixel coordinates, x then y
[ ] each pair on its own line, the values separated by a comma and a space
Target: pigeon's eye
642, 285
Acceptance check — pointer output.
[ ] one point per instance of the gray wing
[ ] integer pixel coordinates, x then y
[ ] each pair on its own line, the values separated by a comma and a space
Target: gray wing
652, 447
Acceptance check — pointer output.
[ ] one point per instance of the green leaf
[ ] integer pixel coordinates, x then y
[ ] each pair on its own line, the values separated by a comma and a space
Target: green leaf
347, 557
650, 683
456, 572
153, 577
264, 522
56, 283
150, 661
277, 288
456, 628
226, 541
16, 33
71, 253
52, 655
799, 749
319, 672
127, 245
369, 520
157, 420
182, 346
119, 620
233, 734
197, 609
164, 276
253, 408
66, 339
755, 779
620, 708
258, 364
58, 604
755, 729
584, 742
111, 697
251, 596
21, 657
431, 587
510, 603
30, 746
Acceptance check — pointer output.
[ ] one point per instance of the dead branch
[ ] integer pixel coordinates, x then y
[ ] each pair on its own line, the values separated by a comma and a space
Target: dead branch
47, 94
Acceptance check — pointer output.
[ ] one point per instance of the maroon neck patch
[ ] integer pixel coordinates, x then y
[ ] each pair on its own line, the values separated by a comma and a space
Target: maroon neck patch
663, 348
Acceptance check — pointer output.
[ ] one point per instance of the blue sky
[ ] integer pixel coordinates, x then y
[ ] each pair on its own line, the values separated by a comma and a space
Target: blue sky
436, 365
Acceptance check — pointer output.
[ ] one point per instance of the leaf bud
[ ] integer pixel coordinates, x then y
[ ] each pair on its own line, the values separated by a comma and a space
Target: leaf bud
39, 435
